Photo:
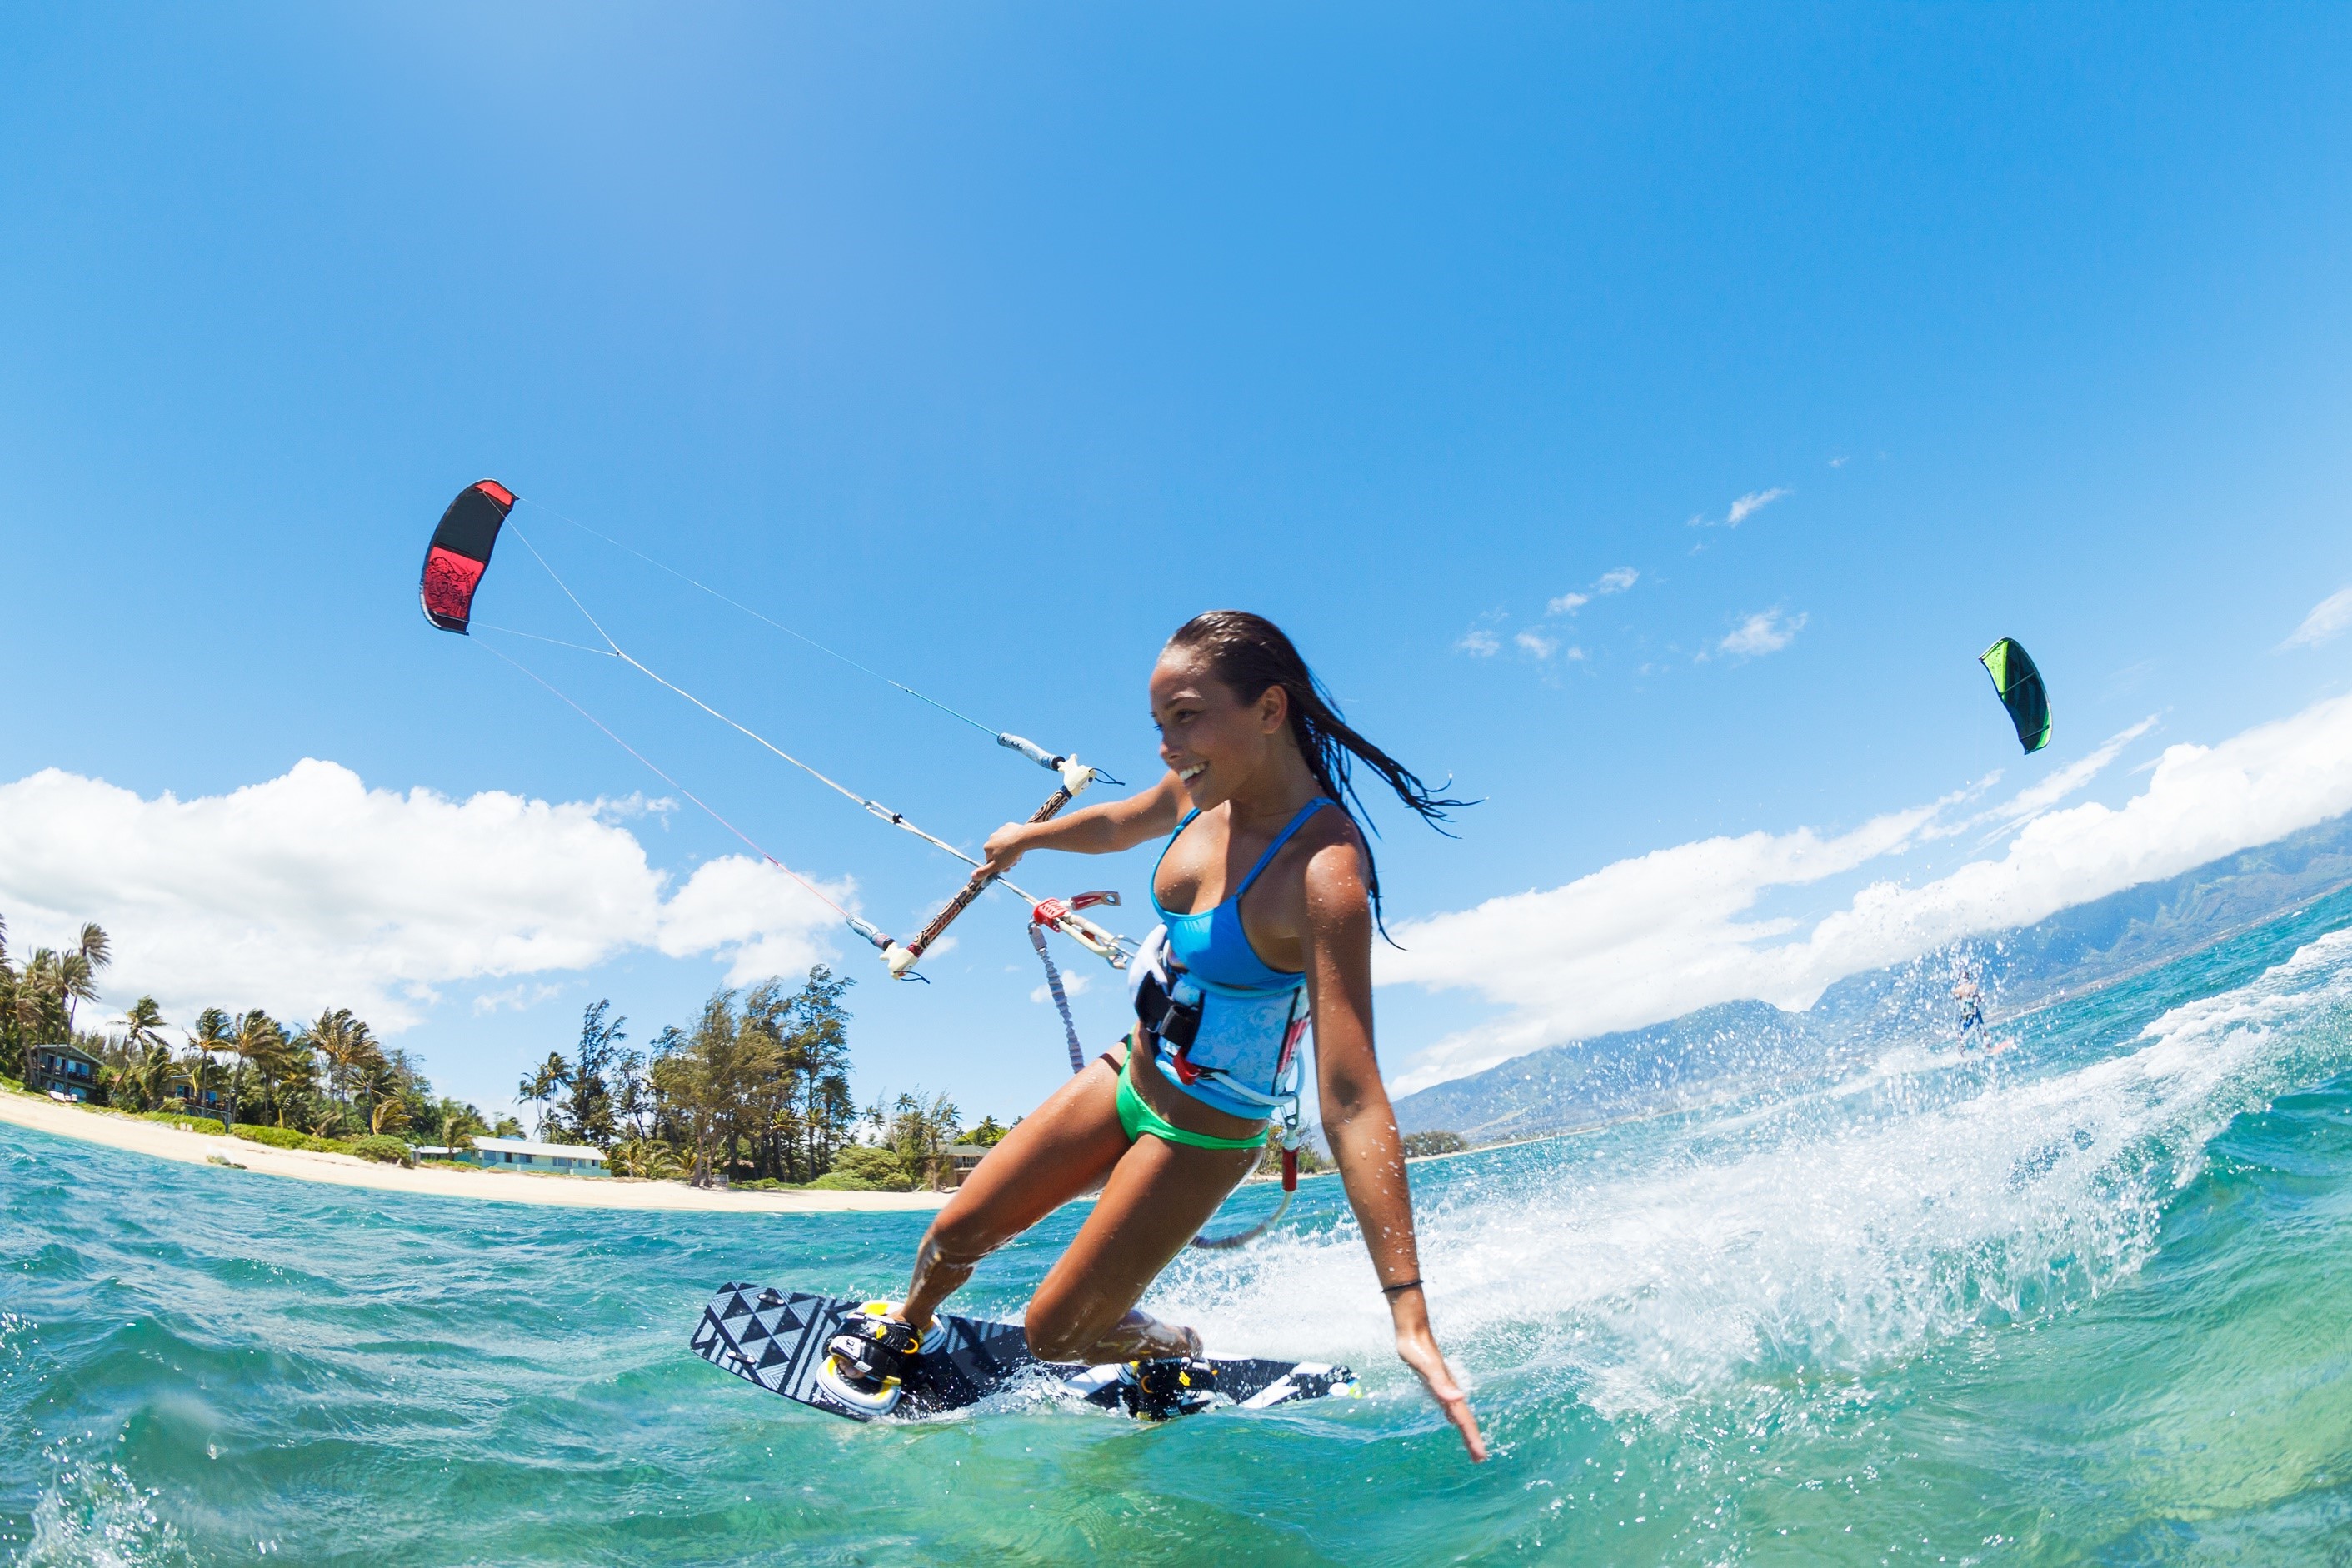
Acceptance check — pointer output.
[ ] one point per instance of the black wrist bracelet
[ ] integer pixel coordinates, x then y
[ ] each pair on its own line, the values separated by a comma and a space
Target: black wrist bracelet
1390, 1290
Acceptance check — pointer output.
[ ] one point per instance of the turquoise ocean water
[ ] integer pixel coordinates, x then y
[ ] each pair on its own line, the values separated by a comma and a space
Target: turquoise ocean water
2090, 1302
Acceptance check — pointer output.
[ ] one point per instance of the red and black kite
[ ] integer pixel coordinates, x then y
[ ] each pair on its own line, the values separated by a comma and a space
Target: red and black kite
460, 552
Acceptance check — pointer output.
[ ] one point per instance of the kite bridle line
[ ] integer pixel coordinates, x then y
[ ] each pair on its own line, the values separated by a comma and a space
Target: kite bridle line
1036, 753
901, 960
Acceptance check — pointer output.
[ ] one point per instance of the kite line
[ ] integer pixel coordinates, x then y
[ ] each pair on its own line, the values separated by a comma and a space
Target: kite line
1027, 748
455, 564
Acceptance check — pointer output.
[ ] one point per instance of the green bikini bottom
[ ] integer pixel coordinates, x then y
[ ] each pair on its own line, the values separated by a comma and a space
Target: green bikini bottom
1138, 1118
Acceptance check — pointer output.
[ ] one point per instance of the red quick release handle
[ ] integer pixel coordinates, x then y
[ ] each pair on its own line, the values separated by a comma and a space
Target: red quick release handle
1051, 910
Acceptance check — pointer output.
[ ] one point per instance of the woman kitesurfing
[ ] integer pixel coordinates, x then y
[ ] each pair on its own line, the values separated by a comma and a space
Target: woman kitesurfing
1268, 899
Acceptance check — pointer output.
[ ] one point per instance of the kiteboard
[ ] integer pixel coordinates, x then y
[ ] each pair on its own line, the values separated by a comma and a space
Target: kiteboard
777, 1340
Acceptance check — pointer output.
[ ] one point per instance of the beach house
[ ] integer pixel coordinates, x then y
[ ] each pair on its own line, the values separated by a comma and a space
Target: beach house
523, 1154
61, 1069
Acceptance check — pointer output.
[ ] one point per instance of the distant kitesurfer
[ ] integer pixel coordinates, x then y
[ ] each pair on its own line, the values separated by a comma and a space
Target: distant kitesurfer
1971, 996
1269, 898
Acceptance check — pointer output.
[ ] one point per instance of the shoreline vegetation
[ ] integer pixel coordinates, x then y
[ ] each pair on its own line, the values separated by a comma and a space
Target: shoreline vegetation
160, 1139
751, 1098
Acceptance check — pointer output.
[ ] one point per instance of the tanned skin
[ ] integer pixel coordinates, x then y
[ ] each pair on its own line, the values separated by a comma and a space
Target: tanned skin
1232, 757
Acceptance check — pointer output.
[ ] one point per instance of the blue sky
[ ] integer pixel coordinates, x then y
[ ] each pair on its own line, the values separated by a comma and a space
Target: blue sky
987, 344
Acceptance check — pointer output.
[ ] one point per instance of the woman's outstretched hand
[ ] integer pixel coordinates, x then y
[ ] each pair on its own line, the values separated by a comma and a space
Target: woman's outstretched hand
1003, 852
1418, 1348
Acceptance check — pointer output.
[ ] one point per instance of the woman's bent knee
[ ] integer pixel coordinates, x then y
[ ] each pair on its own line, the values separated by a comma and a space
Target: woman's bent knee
1060, 1333
963, 1237
968, 1231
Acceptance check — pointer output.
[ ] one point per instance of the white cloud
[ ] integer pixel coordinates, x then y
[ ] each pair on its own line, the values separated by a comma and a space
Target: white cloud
312, 891
1649, 939
1745, 507
1615, 581
2035, 799
520, 998
2327, 617
1767, 631
1480, 643
760, 920
631, 805
1751, 503
1535, 643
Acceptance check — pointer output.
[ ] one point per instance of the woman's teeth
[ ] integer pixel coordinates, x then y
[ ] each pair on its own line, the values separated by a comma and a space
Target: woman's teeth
1189, 775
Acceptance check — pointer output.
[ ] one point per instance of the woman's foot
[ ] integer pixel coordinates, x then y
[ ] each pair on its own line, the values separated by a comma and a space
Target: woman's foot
870, 1351
866, 1364
1162, 1389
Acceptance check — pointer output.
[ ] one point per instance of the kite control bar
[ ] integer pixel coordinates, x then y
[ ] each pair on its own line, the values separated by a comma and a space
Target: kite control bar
1075, 777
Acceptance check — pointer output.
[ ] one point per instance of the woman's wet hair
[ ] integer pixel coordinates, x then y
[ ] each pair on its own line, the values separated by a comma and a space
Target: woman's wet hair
1247, 654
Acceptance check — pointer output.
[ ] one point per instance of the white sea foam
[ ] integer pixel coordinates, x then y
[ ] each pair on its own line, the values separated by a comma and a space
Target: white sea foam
92, 1515
1824, 1238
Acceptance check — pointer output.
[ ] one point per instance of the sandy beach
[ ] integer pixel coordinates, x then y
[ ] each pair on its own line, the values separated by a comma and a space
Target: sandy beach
165, 1142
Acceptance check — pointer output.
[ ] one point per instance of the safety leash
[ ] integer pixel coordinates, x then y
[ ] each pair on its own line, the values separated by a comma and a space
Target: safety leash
1061, 998
1051, 912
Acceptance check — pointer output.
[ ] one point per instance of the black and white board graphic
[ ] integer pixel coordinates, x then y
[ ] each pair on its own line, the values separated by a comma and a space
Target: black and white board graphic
777, 1340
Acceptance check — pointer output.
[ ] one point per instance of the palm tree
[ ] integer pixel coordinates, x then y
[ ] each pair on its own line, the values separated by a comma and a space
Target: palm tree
553, 1074
146, 1071
919, 1131
93, 953
142, 1026
255, 1037
382, 1080
38, 1008
10, 1041
649, 1158
147, 1079
76, 982
211, 1034
286, 1066
345, 1043
458, 1125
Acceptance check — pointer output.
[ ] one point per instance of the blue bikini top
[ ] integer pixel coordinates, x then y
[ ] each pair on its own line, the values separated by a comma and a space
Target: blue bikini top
1235, 1019
1212, 944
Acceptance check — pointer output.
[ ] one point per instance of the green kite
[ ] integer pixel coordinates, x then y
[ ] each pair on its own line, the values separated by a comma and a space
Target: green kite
2021, 691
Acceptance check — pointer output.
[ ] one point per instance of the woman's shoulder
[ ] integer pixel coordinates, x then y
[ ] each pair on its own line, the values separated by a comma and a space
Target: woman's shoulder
1329, 823
1330, 828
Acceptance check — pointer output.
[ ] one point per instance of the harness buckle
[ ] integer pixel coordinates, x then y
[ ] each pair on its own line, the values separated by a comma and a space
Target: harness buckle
1178, 1023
